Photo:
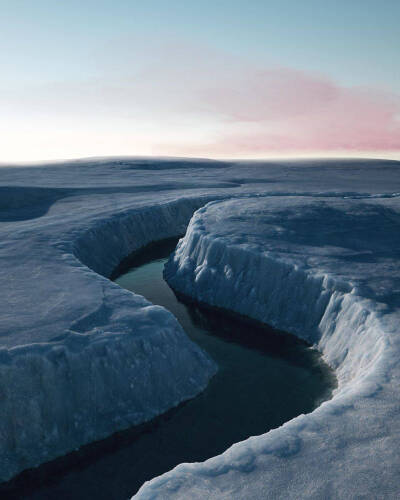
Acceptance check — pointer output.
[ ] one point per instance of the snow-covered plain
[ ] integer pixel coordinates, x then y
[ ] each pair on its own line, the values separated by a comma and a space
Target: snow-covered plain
311, 247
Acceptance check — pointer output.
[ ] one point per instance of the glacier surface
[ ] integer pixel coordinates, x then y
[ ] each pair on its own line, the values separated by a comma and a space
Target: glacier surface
326, 269
310, 247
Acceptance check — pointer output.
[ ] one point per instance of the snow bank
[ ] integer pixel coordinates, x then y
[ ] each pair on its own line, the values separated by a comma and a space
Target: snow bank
115, 360
302, 265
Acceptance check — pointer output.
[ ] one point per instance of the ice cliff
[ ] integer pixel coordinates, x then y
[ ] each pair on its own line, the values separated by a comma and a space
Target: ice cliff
82, 358
326, 269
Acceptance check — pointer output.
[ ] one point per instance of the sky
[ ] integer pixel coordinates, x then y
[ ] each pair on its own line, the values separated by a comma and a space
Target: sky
223, 79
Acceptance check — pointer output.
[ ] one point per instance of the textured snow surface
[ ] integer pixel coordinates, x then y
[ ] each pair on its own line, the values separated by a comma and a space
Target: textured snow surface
326, 269
308, 246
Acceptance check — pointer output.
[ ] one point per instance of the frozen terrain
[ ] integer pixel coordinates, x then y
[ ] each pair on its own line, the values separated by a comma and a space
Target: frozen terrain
308, 247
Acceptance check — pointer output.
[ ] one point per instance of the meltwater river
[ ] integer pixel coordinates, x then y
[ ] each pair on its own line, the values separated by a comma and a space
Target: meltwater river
265, 378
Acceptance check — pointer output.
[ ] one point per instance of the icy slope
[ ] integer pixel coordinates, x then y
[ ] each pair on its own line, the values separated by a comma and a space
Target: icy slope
328, 270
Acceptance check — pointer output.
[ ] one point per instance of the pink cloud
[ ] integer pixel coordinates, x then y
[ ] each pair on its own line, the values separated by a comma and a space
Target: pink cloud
283, 110
185, 99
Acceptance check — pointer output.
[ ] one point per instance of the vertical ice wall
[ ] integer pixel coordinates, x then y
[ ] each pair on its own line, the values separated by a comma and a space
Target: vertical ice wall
314, 267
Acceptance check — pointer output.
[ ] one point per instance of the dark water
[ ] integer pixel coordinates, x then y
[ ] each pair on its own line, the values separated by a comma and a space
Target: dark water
265, 378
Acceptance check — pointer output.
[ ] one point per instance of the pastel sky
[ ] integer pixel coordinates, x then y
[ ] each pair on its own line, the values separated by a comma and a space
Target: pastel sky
205, 78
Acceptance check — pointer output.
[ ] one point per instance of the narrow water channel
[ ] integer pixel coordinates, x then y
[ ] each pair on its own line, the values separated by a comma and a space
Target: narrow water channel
265, 378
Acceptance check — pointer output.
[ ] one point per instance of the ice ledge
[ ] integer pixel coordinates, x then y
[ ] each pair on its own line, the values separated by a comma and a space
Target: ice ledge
260, 258
109, 359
